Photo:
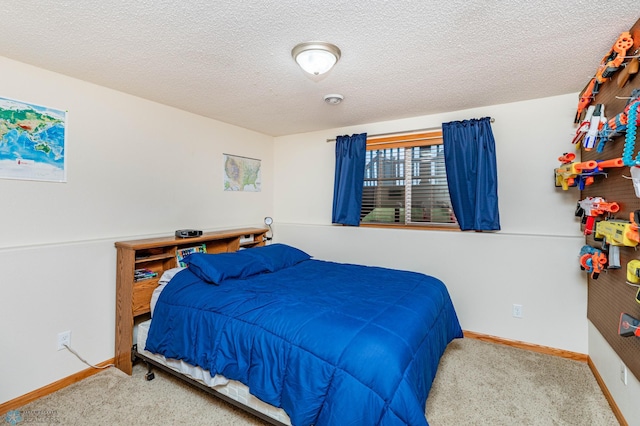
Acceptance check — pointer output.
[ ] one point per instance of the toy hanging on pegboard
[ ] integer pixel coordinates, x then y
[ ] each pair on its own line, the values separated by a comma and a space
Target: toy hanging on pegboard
616, 233
581, 174
605, 129
633, 276
609, 64
590, 208
630, 141
617, 125
592, 260
628, 326
589, 130
567, 175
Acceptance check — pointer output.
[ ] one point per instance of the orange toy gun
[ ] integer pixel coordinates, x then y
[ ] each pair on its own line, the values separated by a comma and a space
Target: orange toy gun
608, 66
608, 164
618, 52
592, 260
612, 60
586, 97
592, 207
587, 177
567, 174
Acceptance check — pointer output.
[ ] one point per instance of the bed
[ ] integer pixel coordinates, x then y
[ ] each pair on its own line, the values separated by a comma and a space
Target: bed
316, 342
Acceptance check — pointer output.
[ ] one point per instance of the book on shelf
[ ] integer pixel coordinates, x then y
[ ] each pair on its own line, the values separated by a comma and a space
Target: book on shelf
184, 252
144, 274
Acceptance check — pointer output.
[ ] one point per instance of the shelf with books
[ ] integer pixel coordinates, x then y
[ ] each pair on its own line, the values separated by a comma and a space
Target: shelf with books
144, 274
181, 253
158, 255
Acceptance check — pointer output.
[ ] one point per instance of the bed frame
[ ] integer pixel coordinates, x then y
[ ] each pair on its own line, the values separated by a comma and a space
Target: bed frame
151, 363
133, 297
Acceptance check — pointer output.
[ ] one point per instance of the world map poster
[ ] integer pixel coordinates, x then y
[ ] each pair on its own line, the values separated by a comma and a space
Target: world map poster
241, 174
32, 142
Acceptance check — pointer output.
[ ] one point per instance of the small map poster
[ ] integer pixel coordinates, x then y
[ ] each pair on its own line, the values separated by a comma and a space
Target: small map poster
241, 174
32, 142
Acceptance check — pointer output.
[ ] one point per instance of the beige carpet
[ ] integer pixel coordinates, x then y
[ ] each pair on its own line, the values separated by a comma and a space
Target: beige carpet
478, 383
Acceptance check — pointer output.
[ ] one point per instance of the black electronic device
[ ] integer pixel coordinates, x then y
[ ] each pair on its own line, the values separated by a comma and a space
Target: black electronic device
188, 233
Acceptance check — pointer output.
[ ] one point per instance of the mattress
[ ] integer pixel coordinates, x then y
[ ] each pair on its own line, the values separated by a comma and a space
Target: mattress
231, 388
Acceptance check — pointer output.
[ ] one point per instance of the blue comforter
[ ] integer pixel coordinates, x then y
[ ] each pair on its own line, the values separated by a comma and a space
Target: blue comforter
331, 344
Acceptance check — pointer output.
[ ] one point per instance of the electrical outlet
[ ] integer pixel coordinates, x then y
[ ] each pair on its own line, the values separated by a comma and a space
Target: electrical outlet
623, 373
517, 311
64, 338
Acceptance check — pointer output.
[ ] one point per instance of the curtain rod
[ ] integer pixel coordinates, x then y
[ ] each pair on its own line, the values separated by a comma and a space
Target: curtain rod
403, 132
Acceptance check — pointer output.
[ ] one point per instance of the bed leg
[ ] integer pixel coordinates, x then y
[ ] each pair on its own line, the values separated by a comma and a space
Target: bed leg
149, 375
134, 350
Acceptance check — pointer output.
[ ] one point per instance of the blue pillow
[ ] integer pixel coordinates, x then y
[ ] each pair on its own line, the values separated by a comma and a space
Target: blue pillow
277, 256
215, 268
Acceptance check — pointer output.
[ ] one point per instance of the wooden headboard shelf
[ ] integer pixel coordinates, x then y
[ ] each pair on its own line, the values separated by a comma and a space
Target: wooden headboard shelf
609, 295
159, 255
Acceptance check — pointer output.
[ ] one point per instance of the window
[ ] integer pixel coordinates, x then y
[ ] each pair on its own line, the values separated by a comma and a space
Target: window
405, 182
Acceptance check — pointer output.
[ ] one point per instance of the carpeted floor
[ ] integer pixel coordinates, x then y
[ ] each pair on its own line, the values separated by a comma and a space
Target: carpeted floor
478, 383
481, 383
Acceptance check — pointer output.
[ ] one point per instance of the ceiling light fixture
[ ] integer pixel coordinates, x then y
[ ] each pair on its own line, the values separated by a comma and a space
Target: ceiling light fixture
316, 57
333, 99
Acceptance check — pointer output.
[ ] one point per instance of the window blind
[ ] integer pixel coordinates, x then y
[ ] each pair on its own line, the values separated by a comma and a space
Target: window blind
405, 182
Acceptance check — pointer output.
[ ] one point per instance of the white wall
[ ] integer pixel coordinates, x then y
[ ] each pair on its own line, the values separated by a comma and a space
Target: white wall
135, 168
533, 261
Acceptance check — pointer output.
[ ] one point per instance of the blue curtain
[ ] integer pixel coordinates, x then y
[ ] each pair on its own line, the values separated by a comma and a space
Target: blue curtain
470, 161
349, 179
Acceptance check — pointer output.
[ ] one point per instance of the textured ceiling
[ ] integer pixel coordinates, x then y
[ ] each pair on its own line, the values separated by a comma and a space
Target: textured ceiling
231, 60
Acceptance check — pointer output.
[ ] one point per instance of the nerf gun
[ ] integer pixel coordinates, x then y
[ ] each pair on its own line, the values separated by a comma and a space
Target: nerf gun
592, 207
612, 60
592, 260
586, 97
614, 127
567, 173
618, 124
596, 121
607, 164
586, 178
608, 66
617, 233
633, 271
633, 275
583, 128
629, 326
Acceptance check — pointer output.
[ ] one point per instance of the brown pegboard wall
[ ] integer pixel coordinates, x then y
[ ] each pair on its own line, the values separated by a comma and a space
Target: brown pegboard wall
609, 295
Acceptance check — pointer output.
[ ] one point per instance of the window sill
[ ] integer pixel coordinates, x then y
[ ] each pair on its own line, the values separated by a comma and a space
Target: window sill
442, 227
